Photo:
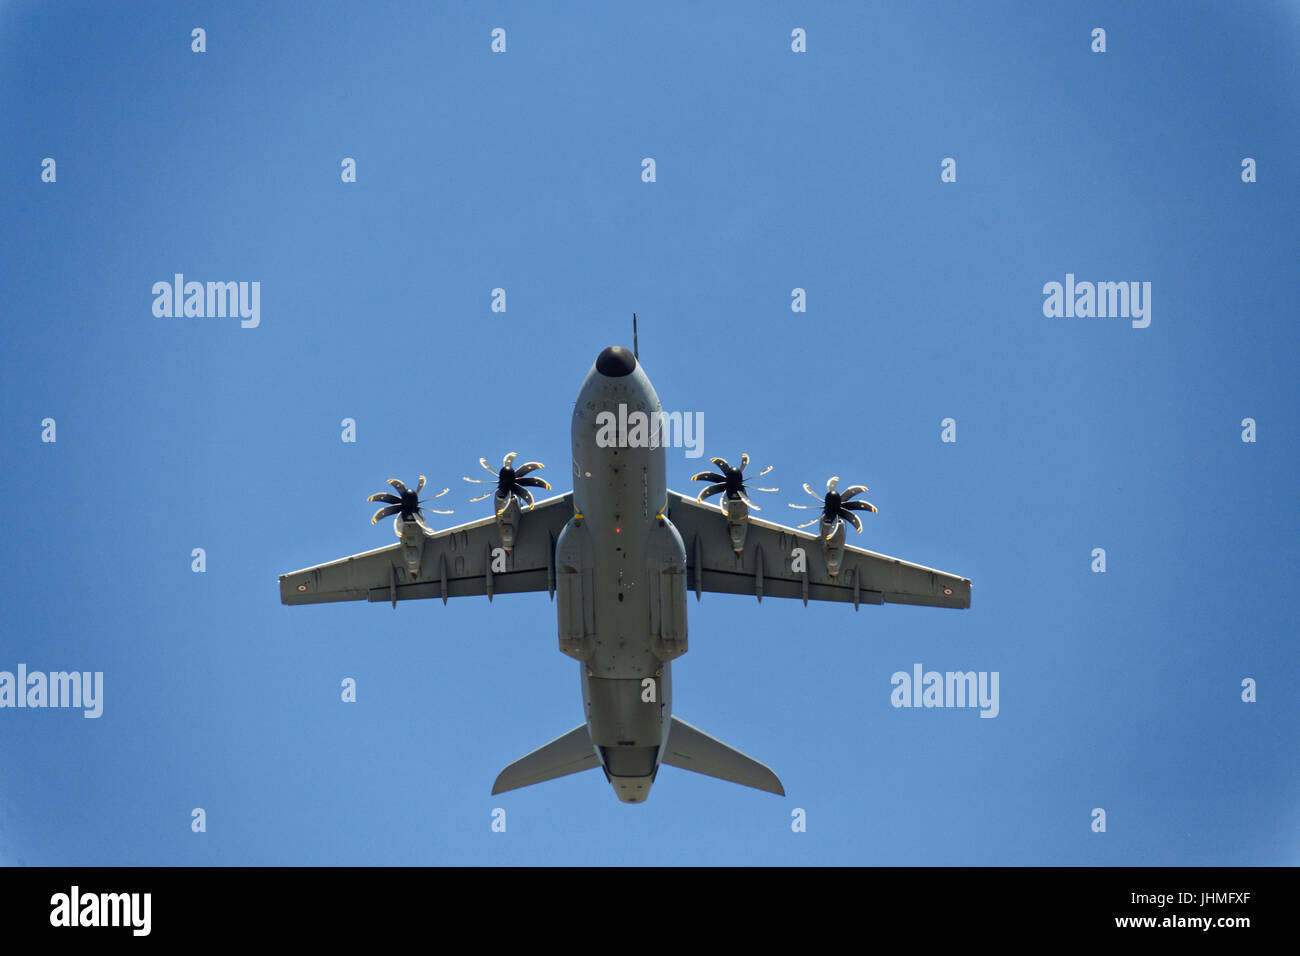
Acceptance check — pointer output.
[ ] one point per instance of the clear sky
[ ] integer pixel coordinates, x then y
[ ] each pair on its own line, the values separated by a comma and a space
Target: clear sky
775, 170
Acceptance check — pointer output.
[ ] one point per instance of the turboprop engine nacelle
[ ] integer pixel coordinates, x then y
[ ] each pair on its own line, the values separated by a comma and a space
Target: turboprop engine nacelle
833, 544
412, 537
508, 521
737, 513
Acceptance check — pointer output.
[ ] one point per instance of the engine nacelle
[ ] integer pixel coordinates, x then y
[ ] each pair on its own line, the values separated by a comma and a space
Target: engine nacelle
833, 544
412, 537
508, 522
737, 513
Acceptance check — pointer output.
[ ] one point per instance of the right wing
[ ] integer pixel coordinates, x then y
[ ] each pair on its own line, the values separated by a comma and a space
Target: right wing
456, 562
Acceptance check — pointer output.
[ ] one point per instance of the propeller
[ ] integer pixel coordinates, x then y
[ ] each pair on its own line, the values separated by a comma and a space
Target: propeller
730, 480
408, 504
836, 505
511, 480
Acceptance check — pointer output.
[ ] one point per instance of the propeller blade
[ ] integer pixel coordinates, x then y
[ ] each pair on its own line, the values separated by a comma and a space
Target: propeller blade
765, 489
752, 507
830, 485
438, 495
420, 521
528, 466
522, 494
850, 492
721, 463
859, 506
712, 490
852, 519
477, 481
764, 471
385, 512
807, 523
744, 460
808, 488
397, 483
481, 497
802, 507
420, 487
509, 460
532, 481
486, 466
385, 497
708, 476
439, 511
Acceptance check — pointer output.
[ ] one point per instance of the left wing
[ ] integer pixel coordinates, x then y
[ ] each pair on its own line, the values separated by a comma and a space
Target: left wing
766, 564
457, 562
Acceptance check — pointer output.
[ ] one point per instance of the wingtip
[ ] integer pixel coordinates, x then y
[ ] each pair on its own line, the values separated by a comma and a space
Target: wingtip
777, 787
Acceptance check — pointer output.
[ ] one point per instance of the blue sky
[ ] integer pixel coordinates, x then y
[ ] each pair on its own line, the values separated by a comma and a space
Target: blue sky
775, 170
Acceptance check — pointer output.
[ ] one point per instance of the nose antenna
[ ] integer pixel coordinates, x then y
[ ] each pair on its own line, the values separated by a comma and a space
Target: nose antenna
635, 352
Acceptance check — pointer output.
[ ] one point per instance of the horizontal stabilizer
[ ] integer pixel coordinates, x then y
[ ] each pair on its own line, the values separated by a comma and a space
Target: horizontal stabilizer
562, 756
693, 749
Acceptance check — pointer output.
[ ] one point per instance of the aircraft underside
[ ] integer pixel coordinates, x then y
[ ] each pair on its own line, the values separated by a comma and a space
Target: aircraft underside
619, 554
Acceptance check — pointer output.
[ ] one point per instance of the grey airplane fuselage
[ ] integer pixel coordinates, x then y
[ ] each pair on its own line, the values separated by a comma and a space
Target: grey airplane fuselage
621, 576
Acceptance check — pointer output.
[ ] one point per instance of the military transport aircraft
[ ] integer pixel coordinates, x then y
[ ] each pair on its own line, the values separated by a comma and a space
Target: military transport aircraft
622, 551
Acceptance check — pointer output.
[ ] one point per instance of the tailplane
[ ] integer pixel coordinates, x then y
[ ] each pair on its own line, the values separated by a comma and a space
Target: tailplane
692, 749
564, 755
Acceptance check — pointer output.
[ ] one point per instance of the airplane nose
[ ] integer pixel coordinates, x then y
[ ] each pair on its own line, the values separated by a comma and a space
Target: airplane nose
615, 362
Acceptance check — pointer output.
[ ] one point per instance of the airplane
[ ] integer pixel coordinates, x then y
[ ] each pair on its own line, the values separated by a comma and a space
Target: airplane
622, 551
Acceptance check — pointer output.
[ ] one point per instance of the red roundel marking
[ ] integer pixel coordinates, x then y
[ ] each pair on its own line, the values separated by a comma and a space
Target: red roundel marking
302, 587
947, 590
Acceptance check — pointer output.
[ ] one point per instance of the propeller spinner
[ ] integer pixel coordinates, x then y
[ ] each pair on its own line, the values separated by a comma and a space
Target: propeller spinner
837, 505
